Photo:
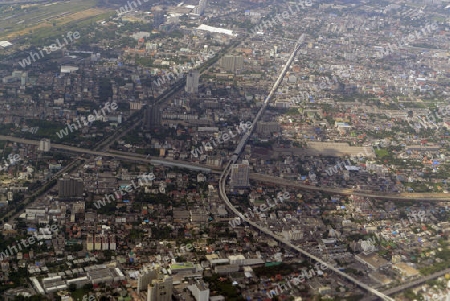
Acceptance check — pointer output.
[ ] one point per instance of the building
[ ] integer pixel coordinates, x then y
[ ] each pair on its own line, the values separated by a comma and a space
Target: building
267, 128
192, 81
21, 76
158, 18
5, 44
239, 175
90, 242
78, 207
232, 63
152, 116
200, 8
105, 242
200, 291
112, 242
160, 289
226, 269
70, 187
98, 242
146, 275
44, 145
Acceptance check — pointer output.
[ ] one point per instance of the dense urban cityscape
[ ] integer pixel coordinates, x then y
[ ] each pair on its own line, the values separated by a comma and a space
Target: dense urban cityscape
158, 150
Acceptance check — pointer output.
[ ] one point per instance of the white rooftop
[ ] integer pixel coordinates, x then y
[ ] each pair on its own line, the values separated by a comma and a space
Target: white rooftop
5, 44
216, 29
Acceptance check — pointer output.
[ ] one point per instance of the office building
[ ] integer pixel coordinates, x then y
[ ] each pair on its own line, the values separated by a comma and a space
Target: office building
200, 8
158, 18
152, 116
239, 175
192, 81
70, 187
160, 289
232, 63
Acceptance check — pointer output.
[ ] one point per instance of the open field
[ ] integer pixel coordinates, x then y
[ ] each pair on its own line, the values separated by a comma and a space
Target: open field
45, 20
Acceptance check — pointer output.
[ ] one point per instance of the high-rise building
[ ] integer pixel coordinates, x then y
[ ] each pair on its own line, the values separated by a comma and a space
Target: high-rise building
160, 289
98, 242
70, 187
152, 116
90, 242
146, 275
232, 63
112, 242
158, 18
192, 81
200, 8
200, 291
239, 175
44, 145
105, 242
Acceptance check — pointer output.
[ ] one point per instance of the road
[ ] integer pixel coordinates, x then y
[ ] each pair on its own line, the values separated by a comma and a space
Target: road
439, 197
414, 283
227, 170
436, 197
46, 185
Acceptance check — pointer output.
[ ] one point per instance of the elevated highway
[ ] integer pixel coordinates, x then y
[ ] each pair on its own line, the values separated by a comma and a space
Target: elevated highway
436, 197
227, 170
